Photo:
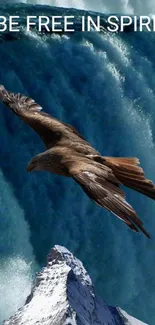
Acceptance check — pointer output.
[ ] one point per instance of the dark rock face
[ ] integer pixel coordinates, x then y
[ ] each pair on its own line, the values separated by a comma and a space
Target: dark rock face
63, 294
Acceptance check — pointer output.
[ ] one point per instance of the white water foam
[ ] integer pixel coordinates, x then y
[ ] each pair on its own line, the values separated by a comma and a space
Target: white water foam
17, 261
140, 7
128, 7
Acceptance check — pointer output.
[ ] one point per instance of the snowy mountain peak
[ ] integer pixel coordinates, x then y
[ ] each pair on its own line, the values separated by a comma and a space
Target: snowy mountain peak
63, 294
59, 253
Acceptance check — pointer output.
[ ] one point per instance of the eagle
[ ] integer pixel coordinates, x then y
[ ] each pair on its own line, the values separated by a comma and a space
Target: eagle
69, 154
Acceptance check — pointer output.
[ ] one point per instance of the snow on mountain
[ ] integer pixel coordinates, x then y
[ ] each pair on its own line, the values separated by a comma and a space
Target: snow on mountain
63, 294
129, 320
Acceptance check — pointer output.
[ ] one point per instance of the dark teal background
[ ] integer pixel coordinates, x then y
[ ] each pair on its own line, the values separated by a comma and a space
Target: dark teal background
104, 85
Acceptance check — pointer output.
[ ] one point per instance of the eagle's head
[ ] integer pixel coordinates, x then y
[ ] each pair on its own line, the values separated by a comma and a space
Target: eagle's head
35, 164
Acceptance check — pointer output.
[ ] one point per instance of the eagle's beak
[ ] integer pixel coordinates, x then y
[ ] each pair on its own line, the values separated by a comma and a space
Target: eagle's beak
30, 167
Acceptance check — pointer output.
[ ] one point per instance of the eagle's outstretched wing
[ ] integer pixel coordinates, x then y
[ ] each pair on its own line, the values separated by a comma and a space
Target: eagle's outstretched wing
49, 129
102, 186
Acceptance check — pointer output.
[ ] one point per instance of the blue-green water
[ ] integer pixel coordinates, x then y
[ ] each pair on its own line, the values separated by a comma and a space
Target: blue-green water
105, 86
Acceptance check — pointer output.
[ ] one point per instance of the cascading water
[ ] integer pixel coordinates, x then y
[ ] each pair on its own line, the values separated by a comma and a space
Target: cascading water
104, 85
138, 7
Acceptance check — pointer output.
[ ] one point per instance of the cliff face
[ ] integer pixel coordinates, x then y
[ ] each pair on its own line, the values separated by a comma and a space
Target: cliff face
63, 294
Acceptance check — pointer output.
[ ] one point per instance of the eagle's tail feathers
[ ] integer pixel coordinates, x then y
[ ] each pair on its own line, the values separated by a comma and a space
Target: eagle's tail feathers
127, 171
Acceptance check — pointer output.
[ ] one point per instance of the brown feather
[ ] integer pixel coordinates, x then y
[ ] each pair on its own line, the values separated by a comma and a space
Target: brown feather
71, 155
106, 194
48, 128
131, 175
